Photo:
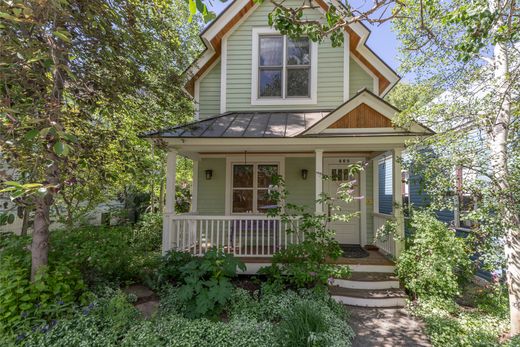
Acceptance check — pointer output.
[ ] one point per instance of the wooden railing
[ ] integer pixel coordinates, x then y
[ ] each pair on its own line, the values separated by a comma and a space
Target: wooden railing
241, 235
388, 244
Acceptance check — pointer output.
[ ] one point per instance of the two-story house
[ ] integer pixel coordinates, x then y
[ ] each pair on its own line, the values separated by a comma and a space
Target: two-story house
267, 103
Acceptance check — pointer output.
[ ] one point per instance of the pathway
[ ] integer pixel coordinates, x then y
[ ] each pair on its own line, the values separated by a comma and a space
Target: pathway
386, 327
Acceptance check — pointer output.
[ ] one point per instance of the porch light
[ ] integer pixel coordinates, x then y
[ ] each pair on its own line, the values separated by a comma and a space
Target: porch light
305, 172
209, 174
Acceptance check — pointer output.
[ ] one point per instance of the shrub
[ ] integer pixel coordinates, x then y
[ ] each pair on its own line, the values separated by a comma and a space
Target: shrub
206, 285
147, 234
435, 262
302, 325
23, 304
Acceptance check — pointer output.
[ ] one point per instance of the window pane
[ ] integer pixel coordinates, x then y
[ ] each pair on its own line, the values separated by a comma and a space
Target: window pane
271, 50
298, 82
298, 52
263, 201
271, 82
243, 176
242, 200
265, 175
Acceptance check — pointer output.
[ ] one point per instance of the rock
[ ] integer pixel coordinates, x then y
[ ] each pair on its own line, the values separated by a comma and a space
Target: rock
142, 293
148, 308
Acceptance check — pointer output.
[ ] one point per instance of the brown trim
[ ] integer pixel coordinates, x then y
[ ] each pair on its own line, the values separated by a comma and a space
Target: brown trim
216, 43
362, 116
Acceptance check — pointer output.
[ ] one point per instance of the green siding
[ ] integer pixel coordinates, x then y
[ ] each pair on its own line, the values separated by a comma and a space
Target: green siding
359, 79
239, 47
212, 193
370, 202
301, 192
209, 93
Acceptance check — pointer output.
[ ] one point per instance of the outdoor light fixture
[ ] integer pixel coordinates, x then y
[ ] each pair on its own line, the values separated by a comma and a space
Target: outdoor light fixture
305, 172
209, 174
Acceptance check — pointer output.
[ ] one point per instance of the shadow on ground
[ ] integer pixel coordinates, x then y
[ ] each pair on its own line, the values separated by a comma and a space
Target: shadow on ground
386, 327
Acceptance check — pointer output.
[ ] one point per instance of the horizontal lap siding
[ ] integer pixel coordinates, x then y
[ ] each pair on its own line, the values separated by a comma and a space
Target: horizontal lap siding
239, 60
301, 192
359, 79
212, 193
209, 93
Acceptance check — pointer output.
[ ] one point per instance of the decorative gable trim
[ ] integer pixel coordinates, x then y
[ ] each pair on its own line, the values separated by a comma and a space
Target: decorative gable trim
363, 104
238, 10
362, 116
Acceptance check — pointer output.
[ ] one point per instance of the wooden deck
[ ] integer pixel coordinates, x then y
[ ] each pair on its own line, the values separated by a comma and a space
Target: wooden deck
374, 258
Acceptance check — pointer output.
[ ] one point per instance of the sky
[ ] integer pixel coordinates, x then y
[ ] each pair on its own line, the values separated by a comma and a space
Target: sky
382, 39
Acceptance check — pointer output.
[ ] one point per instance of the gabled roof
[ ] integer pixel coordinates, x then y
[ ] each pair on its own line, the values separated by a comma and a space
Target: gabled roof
239, 9
290, 124
364, 96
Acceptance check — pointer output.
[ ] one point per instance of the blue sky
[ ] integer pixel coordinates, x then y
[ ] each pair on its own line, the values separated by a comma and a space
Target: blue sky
382, 40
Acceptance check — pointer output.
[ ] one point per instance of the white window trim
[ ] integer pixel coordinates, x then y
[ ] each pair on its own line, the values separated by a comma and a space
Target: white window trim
254, 160
255, 100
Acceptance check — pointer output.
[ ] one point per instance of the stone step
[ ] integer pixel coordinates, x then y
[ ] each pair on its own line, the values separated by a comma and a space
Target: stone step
369, 280
372, 268
369, 298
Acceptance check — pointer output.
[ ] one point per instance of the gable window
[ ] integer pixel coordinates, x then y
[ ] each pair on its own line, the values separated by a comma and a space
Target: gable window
284, 69
250, 190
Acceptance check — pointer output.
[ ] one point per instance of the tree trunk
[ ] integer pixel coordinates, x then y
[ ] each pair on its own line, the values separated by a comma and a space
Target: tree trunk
40, 237
25, 221
498, 138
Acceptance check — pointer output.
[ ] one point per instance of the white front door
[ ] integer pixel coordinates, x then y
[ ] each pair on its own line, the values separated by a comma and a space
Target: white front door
337, 171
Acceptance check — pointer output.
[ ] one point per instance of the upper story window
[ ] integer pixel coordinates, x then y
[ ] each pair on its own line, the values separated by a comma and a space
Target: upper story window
284, 69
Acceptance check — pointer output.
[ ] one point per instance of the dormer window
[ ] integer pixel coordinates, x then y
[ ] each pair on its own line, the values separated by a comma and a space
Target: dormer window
284, 69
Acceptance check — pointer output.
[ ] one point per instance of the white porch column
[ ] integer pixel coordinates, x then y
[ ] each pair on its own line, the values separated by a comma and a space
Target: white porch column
169, 208
194, 186
319, 179
397, 194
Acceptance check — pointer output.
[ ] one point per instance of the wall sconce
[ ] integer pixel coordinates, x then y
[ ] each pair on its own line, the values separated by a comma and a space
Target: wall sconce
305, 172
209, 174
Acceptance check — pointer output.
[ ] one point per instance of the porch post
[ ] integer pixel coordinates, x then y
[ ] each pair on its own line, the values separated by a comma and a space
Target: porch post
319, 179
169, 211
194, 186
398, 199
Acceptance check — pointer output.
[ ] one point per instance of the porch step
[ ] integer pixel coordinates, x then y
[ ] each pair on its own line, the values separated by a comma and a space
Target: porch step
369, 298
369, 280
371, 268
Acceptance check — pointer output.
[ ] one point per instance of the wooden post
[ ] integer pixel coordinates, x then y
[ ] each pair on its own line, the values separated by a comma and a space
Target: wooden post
169, 211
319, 179
397, 195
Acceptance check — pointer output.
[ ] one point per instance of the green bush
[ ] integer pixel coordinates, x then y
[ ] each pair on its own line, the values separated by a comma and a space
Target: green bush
435, 262
23, 304
206, 285
147, 234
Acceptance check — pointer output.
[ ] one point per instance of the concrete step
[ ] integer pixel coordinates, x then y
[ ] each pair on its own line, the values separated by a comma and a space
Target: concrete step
372, 268
369, 280
369, 298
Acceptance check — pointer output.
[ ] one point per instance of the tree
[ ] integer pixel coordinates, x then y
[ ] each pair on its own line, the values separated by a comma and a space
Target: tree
79, 81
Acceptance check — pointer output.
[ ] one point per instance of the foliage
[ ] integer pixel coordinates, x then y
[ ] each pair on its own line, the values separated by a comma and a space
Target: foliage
448, 324
206, 286
148, 232
306, 263
435, 262
302, 326
112, 321
169, 269
25, 304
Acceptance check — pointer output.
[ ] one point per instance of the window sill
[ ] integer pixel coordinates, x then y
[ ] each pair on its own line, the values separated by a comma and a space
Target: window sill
289, 101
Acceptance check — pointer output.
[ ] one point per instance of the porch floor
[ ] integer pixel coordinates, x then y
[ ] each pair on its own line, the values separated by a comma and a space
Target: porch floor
374, 258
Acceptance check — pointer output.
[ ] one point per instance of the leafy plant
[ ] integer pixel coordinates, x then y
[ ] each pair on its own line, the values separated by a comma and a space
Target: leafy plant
147, 234
206, 283
25, 304
307, 262
435, 262
301, 326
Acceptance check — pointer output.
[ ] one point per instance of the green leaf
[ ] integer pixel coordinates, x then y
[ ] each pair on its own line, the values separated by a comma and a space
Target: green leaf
61, 148
31, 134
63, 35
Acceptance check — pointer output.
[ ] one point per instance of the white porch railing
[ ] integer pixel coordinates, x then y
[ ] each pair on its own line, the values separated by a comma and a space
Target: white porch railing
245, 236
388, 245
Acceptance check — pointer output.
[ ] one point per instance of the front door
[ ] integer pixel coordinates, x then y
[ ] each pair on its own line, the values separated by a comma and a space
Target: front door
337, 171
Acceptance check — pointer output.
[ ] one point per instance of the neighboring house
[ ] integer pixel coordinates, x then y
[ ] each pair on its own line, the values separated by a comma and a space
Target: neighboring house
268, 103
